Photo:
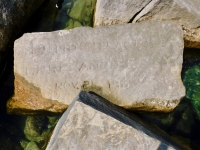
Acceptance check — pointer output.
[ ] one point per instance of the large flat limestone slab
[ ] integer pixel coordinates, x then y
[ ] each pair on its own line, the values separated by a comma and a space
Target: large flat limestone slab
93, 123
134, 66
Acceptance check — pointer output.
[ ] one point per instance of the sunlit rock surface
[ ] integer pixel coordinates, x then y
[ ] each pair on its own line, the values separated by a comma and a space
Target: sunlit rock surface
184, 12
91, 122
117, 11
134, 66
192, 83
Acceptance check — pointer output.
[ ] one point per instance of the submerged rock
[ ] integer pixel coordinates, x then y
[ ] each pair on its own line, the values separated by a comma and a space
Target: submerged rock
75, 13
94, 123
136, 70
182, 123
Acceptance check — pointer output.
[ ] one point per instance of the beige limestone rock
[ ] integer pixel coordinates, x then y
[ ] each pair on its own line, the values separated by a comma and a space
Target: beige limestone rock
92, 123
136, 66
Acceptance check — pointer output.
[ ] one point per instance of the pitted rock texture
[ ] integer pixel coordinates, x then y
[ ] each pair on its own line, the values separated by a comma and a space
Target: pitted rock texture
117, 11
14, 14
134, 66
93, 123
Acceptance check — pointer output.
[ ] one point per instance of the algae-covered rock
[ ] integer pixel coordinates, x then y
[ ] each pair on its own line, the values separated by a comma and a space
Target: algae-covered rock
32, 146
75, 13
38, 131
192, 83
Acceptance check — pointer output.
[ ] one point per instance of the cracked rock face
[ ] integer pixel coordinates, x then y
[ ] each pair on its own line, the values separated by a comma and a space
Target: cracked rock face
14, 14
92, 123
136, 70
117, 11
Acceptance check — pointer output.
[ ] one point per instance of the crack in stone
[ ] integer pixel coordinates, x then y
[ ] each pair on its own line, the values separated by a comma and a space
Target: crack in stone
144, 11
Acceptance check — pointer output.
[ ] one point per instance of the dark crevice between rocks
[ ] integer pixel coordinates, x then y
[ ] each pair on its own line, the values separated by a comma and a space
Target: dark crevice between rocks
131, 20
12, 126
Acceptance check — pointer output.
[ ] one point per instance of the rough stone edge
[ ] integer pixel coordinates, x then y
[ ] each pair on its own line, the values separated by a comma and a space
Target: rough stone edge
191, 37
25, 93
121, 115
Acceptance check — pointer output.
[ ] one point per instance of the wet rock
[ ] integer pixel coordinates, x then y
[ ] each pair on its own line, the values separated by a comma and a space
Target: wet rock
117, 11
28, 100
136, 70
93, 122
75, 13
14, 15
38, 130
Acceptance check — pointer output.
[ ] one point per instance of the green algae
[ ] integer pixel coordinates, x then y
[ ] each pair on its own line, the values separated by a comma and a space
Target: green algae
191, 81
75, 13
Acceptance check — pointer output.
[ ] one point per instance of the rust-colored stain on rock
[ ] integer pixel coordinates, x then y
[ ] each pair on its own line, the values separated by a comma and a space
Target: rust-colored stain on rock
28, 100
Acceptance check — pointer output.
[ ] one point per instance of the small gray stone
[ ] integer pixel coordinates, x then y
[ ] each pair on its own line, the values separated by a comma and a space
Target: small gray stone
136, 66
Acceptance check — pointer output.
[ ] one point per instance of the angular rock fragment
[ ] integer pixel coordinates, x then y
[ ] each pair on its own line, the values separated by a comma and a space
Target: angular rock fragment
184, 12
117, 11
91, 122
134, 66
191, 37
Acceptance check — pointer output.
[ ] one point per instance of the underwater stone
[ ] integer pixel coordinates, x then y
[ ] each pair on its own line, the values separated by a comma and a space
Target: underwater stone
191, 81
75, 13
92, 122
136, 66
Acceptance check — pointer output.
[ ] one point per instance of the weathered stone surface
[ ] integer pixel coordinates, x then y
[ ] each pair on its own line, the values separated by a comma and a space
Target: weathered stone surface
191, 81
92, 122
191, 37
75, 13
28, 100
117, 11
134, 66
185, 12
13, 16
